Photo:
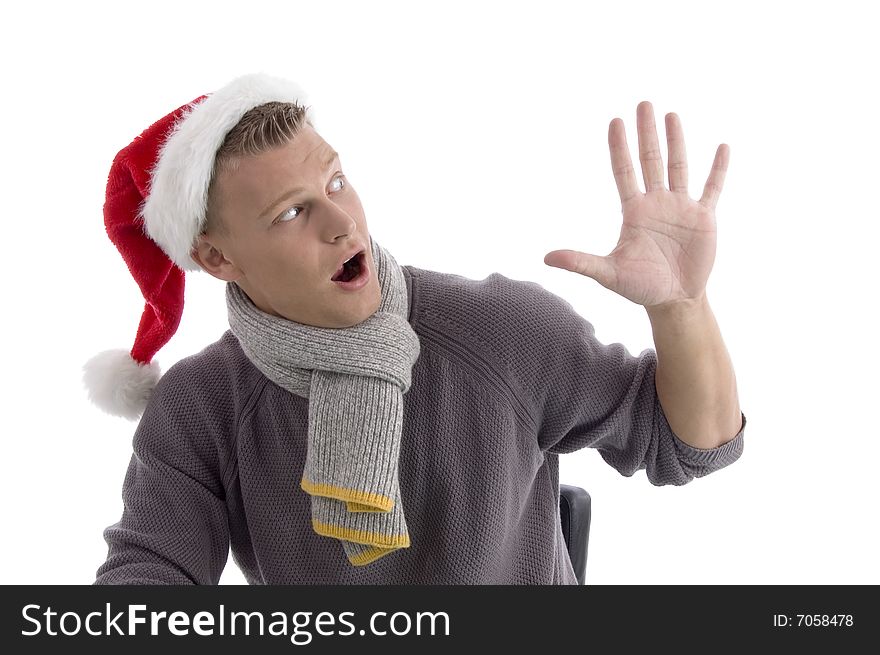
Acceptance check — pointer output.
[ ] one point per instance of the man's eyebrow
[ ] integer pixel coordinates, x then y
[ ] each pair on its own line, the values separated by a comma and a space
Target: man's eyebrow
332, 157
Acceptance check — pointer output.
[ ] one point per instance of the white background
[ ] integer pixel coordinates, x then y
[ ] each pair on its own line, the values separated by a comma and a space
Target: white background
476, 136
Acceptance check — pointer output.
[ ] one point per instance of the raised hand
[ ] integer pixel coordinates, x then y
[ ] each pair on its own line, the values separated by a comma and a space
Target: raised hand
667, 244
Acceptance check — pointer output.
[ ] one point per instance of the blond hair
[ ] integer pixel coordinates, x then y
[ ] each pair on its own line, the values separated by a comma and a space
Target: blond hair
262, 128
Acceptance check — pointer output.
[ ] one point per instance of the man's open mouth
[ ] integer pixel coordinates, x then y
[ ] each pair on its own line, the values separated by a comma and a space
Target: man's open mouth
350, 269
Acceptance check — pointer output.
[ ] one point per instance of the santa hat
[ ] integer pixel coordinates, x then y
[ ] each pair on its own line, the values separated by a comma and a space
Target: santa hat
154, 209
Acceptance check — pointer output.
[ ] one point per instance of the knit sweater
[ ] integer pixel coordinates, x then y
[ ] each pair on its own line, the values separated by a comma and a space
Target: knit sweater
509, 377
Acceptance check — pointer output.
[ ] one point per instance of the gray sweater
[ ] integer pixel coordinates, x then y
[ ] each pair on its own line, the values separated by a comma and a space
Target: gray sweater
509, 377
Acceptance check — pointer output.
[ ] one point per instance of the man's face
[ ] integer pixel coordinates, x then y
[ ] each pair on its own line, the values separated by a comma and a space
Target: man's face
282, 249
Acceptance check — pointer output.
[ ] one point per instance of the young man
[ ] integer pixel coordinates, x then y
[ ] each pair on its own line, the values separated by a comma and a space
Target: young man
364, 422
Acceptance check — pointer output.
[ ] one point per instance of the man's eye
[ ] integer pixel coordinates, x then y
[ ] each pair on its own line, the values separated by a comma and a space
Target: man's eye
287, 216
341, 178
283, 218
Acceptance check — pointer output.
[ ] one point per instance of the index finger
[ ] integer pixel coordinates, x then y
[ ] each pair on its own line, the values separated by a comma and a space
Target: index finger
621, 164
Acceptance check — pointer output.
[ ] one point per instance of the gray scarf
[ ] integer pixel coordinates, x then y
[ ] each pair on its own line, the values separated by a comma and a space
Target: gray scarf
354, 379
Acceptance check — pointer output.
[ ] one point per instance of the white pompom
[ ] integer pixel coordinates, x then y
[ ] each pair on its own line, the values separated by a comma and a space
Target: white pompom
118, 384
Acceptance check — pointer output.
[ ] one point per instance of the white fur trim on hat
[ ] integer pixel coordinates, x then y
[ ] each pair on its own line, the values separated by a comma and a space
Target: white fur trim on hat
118, 384
174, 210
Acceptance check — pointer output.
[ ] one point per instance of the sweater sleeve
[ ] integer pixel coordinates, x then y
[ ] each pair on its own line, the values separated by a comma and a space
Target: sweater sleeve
584, 393
173, 528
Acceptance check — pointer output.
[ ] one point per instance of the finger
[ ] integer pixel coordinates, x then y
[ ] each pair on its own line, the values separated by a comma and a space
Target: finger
678, 167
621, 164
649, 147
715, 182
598, 268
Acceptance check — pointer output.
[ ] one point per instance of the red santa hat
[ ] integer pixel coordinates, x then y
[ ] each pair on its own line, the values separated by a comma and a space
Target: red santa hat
154, 210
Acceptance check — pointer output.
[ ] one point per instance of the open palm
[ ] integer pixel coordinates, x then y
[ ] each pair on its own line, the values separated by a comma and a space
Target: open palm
667, 243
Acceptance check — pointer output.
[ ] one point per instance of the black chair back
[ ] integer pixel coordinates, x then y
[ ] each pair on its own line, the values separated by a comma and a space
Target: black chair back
574, 510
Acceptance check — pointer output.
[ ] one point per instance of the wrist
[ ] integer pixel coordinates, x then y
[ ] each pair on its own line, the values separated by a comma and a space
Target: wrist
679, 310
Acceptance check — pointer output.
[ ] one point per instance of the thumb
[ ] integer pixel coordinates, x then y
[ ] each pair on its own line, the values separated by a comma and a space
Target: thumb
598, 268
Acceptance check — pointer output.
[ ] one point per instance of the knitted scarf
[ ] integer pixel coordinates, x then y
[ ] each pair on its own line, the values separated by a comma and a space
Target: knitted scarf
354, 379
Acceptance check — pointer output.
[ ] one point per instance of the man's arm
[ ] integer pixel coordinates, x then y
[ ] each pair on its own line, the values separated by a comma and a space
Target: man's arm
174, 527
578, 391
695, 380
662, 261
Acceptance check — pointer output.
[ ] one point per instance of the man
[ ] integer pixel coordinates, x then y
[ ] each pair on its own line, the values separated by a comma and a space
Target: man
364, 422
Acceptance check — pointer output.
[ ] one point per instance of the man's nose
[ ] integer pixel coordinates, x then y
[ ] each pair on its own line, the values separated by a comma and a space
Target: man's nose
335, 219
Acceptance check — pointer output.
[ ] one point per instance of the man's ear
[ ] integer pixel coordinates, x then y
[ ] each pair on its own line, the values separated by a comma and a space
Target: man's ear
207, 255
